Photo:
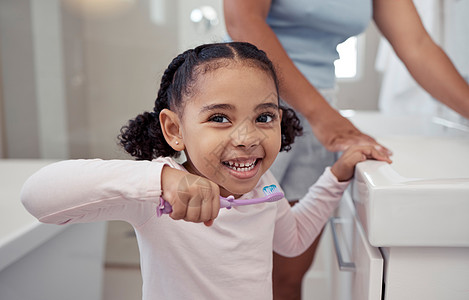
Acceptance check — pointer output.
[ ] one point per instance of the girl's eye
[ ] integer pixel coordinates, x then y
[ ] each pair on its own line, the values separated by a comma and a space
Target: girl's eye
265, 118
218, 119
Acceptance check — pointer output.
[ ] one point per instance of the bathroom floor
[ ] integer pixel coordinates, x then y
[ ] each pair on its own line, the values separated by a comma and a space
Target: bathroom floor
122, 279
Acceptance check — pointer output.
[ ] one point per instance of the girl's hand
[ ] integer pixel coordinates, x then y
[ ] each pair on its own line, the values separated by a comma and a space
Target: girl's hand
193, 198
344, 167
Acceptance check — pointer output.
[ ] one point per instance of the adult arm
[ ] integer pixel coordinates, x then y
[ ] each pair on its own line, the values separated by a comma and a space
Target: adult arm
246, 21
400, 24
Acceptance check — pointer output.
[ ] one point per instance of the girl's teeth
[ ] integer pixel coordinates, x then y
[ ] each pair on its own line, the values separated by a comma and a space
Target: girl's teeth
241, 166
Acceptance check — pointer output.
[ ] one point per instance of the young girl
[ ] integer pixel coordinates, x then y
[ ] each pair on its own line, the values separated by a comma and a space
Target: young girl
218, 104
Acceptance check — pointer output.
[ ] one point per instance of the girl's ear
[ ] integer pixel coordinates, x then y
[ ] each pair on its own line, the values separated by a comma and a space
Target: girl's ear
171, 127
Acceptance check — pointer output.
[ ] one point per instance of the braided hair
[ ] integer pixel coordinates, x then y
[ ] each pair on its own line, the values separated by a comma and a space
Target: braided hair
143, 137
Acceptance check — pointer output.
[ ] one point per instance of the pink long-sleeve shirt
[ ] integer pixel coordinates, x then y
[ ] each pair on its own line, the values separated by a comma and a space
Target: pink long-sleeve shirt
232, 259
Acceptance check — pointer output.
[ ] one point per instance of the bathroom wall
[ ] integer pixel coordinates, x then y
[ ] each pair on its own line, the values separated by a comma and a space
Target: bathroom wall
75, 84
2, 123
74, 71
18, 82
456, 33
122, 69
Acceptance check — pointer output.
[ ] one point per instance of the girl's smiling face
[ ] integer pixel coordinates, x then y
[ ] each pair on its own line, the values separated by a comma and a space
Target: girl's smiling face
230, 127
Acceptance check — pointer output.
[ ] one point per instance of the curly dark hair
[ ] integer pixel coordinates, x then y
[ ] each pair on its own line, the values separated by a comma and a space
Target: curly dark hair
143, 137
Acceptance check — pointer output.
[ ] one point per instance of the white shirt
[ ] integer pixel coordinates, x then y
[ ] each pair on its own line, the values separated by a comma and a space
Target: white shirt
232, 259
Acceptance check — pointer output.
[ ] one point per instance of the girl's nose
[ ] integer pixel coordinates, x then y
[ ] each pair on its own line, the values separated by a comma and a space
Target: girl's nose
247, 136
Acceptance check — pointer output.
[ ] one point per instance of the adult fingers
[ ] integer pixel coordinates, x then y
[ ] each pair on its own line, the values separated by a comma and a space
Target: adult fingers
345, 140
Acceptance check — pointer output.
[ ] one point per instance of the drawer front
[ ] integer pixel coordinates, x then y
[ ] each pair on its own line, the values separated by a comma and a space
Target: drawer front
355, 255
346, 266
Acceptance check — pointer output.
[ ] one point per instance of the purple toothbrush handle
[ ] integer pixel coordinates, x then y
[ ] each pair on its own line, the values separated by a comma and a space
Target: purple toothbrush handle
165, 208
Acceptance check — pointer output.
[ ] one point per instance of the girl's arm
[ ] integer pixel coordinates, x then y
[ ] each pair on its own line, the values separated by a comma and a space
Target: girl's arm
94, 190
245, 21
400, 24
296, 228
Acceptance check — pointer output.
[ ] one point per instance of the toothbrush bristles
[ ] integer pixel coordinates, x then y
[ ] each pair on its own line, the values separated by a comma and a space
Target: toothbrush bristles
272, 193
270, 189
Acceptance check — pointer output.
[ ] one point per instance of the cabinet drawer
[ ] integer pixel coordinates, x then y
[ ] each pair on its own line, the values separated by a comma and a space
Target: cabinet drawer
355, 255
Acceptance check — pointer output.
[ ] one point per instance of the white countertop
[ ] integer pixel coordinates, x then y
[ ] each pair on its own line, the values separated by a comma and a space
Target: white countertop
19, 231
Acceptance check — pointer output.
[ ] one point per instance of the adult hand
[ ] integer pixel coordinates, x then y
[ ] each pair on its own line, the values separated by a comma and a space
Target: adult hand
337, 133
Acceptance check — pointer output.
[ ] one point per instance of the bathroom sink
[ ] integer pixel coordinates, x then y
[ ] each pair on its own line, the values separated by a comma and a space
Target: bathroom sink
422, 198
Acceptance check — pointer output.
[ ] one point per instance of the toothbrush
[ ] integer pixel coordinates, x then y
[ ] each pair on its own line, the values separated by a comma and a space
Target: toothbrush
271, 195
